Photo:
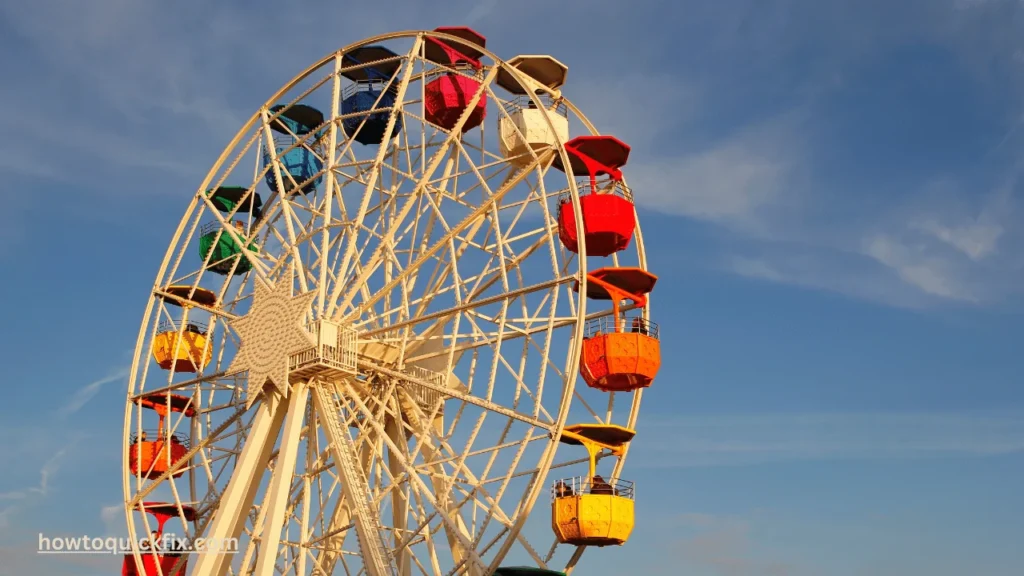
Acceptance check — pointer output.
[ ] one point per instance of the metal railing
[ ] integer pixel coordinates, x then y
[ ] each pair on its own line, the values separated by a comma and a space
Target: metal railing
369, 86
154, 435
427, 398
613, 187
518, 103
458, 69
283, 143
192, 326
213, 226
628, 323
597, 485
341, 354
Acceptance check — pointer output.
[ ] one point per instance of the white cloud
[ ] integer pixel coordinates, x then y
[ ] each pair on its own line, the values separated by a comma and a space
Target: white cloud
951, 244
86, 393
976, 240
754, 268
832, 269
480, 11
788, 222
914, 266
726, 184
745, 182
27, 496
938, 243
113, 521
47, 471
946, 214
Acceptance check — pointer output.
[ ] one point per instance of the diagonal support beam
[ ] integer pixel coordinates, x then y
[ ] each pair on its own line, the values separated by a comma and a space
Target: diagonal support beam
238, 497
281, 481
399, 501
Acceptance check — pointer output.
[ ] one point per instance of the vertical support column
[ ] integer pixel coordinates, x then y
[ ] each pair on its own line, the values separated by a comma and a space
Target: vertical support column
238, 497
281, 482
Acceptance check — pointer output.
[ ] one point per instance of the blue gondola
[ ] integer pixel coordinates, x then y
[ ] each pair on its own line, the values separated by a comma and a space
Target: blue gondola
300, 162
369, 86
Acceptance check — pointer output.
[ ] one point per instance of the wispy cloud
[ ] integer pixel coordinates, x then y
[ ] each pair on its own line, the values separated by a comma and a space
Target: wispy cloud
45, 473
732, 182
23, 497
86, 393
113, 521
709, 441
940, 244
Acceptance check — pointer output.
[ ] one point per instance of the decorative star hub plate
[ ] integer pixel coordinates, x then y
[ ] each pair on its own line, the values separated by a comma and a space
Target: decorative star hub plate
272, 331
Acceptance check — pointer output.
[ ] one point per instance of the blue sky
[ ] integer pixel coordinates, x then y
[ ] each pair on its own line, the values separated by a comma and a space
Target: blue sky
830, 192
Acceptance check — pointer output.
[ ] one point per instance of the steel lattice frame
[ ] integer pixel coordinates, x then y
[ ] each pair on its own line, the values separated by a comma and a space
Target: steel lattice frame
445, 259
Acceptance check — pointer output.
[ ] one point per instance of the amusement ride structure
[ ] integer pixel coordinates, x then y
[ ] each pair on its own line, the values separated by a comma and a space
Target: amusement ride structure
406, 295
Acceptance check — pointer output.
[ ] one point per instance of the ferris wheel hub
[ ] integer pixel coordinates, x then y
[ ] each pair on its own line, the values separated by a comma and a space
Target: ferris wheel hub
271, 333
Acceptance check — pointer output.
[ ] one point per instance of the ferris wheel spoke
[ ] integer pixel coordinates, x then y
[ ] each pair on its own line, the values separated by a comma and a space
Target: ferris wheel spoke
400, 506
329, 185
371, 182
402, 61
460, 542
327, 554
377, 557
364, 306
456, 395
386, 241
393, 253
321, 261
284, 203
492, 339
329, 544
175, 467
483, 282
521, 385
447, 314
430, 169
428, 437
300, 494
274, 153
211, 380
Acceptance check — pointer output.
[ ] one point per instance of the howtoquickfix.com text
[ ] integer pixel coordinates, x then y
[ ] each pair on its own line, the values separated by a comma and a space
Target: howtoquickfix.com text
165, 543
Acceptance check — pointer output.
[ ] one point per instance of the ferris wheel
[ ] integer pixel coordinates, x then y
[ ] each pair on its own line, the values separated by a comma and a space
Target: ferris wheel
363, 347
